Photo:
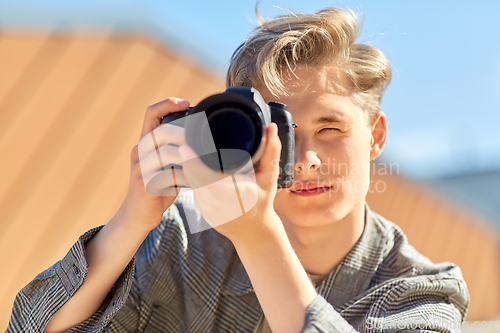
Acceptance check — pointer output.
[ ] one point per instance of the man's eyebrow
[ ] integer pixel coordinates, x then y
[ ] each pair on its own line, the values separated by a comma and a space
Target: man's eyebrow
331, 119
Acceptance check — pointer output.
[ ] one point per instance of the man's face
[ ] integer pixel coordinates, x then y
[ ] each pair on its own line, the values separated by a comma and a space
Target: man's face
333, 142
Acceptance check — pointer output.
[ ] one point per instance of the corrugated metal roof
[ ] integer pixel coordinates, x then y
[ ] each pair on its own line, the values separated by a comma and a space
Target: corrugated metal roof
71, 109
444, 231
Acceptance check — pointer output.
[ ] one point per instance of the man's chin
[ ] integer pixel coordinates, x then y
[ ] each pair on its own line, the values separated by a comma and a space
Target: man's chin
314, 218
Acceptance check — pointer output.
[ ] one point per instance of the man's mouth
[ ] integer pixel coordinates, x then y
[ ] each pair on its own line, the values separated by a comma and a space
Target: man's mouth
310, 189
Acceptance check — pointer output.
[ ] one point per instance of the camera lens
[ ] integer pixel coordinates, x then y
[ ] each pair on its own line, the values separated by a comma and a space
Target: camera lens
232, 129
234, 132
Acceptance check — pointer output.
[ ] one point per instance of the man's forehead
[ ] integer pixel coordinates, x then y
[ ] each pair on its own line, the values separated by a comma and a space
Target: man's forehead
315, 80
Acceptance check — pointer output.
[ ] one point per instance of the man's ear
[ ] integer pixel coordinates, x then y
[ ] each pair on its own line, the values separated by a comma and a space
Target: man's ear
378, 135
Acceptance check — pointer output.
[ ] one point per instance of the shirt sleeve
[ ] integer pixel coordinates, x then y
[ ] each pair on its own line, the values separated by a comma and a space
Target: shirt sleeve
322, 317
38, 301
421, 304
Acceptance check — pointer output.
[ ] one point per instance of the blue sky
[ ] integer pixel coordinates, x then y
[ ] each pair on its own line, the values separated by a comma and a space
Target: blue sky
443, 102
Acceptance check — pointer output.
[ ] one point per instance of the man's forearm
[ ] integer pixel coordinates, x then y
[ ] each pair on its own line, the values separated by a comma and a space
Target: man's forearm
279, 280
107, 253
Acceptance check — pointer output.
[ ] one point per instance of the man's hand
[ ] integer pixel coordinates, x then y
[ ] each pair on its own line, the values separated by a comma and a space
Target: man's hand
140, 206
239, 206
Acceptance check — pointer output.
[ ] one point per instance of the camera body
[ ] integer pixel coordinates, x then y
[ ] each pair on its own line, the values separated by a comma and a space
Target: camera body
237, 119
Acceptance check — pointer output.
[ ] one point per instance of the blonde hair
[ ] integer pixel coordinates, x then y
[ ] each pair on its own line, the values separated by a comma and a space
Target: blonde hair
328, 37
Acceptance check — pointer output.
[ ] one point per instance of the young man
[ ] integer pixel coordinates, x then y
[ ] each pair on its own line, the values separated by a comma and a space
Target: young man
254, 273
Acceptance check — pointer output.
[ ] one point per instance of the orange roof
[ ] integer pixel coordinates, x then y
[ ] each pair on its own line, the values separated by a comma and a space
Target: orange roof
71, 110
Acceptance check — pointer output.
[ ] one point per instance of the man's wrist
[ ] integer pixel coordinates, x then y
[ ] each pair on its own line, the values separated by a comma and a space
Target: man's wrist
268, 229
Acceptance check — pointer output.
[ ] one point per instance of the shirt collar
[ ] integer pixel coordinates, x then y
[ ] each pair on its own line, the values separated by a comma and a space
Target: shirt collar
354, 274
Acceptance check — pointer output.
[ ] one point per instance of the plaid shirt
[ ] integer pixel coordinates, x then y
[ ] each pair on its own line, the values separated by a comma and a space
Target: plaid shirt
182, 282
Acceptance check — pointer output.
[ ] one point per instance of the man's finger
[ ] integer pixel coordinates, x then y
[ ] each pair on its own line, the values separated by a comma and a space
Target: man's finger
268, 170
155, 112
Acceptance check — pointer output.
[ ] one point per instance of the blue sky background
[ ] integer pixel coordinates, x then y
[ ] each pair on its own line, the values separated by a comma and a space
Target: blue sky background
442, 104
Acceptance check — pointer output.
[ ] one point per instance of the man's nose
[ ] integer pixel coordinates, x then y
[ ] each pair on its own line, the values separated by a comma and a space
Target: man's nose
306, 160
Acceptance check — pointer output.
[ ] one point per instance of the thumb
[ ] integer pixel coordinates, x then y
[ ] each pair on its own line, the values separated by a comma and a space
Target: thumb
268, 172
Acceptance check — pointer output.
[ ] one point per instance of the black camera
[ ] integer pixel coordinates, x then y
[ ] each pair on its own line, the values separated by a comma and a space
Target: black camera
235, 122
